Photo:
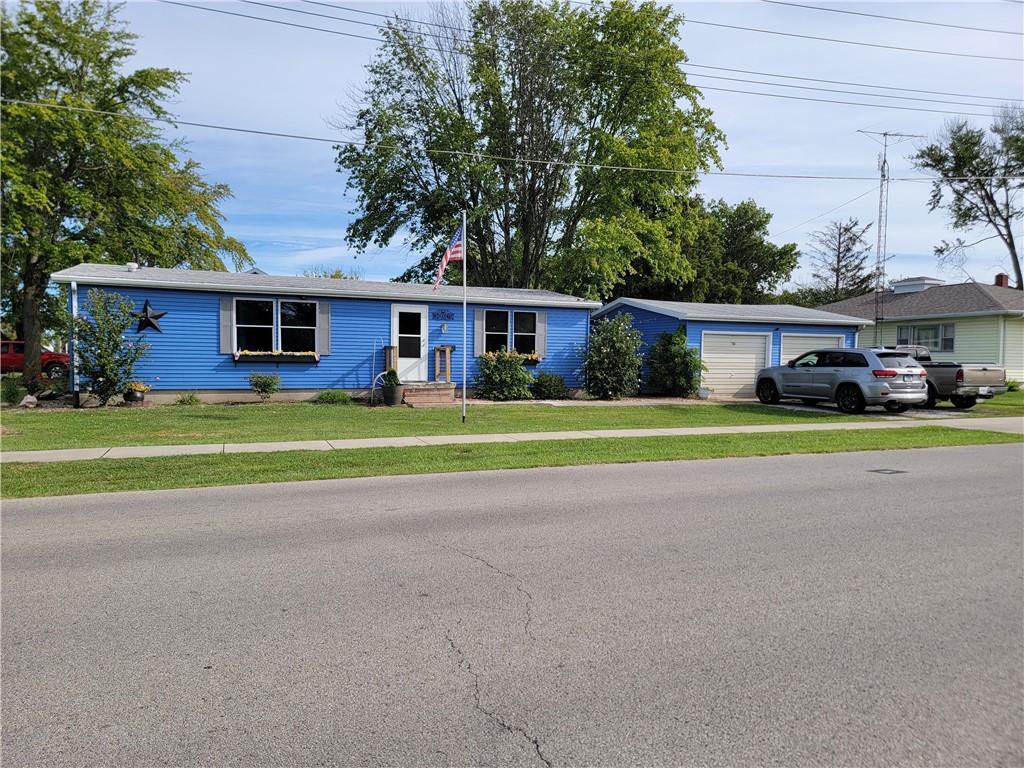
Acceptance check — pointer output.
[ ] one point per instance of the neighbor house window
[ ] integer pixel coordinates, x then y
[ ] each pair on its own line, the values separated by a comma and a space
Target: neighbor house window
524, 332
948, 337
934, 338
254, 325
495, 330
298, 326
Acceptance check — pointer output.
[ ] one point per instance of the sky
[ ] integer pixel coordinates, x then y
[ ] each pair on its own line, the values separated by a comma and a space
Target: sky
291, 207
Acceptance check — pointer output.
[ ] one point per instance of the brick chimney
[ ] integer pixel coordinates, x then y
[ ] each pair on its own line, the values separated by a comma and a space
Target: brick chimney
1002, 280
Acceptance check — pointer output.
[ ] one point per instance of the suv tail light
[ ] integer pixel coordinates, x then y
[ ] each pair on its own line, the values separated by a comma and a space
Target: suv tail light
885, 373
960, 376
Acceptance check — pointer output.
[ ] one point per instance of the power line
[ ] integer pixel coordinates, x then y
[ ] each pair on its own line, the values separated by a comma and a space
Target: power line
388, 16
847, 103
839, 90
478, 155
846, 82
851, 42
893, 18
826, 213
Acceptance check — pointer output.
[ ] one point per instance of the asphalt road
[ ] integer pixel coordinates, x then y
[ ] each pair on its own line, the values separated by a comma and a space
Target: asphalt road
794, 610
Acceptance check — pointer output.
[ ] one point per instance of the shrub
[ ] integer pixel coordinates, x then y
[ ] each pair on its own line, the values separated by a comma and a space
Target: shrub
674, 368
333, 397
1012, 385
187, 398
107, 359
264, 384
391, 379
612, 365
501, 376
550, 386
11, 390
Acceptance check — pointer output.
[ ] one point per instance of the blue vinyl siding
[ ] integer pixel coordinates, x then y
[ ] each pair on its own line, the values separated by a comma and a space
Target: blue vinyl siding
652, 324
187, 354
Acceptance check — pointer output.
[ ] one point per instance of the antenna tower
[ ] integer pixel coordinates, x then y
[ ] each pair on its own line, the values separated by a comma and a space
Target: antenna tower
888, 139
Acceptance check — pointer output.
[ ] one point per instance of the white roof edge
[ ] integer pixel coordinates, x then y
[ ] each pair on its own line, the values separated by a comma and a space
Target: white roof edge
340, 293
681, 315
980, 313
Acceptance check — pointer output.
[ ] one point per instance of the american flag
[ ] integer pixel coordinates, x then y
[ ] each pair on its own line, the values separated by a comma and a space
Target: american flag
453, 252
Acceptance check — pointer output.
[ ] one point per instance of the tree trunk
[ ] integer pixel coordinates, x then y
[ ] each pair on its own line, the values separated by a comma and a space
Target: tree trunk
35, 281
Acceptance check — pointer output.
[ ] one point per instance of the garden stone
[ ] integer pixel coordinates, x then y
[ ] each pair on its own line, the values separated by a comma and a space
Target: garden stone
28, 401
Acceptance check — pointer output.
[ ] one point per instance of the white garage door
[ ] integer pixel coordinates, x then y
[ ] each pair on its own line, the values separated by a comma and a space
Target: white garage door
733, 360
795, 344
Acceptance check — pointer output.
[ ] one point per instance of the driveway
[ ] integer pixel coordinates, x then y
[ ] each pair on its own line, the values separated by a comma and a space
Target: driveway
792, 610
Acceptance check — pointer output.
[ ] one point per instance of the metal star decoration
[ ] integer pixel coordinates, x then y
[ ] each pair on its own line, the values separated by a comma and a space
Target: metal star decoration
148, 318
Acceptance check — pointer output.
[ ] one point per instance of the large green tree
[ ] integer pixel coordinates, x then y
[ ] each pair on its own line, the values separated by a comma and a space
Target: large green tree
979, 181
733, 260
540, 96
89, 177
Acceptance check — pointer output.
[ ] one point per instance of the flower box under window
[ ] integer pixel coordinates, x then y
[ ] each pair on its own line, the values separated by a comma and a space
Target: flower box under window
245, 356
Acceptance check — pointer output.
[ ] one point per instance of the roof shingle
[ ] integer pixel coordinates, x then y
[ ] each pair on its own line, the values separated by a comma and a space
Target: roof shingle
938, 301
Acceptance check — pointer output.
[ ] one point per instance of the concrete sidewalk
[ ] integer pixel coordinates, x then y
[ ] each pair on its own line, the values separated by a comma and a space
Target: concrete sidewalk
1011, 424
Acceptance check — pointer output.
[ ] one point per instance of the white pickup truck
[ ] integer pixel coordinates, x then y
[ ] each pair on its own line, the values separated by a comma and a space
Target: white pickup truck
960, 383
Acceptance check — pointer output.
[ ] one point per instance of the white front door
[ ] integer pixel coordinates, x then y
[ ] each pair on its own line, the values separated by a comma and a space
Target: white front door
409, 334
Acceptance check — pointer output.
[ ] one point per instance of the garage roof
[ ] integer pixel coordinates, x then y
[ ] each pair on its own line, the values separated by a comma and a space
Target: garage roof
737, 313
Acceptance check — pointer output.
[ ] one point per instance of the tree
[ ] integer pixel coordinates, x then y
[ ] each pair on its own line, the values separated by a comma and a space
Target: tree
333, 273
507, 111
733, 260
613, 361
839, 254
89, 177
106, 359
979, 182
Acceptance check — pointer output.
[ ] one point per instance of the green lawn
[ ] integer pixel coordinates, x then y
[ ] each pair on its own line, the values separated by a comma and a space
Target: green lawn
1007, 404
40, 479
172, 425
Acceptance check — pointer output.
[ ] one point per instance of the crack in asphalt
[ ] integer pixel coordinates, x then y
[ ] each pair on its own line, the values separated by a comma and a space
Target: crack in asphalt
493, 716
520, 587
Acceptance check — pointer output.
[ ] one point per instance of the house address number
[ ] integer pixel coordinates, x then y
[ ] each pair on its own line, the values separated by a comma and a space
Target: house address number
442, 314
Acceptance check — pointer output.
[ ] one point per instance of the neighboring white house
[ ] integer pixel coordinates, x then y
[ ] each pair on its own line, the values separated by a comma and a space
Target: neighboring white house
964, 322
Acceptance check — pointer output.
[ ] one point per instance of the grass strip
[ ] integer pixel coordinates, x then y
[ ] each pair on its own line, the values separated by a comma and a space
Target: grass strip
22, 480
177, 425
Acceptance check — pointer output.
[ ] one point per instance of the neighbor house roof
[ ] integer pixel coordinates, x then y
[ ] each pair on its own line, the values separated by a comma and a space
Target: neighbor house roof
964, 299
246, 282
733, 313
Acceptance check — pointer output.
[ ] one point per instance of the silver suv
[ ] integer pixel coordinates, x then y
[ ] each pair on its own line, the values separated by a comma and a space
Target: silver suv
851, 378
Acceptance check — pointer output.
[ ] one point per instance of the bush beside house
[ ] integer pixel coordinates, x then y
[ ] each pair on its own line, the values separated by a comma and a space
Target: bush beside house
674, 368
613, 361
502, 376
106, 358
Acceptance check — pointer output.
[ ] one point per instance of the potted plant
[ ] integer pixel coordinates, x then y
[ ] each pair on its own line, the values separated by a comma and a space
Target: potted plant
391, 387
135, 391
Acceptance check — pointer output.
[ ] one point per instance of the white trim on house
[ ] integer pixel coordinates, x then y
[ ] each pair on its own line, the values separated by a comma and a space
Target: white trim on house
423, 365
275, 326
939, 316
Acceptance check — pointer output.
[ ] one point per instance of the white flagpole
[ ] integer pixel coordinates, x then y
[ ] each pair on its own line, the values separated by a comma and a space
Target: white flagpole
465, 269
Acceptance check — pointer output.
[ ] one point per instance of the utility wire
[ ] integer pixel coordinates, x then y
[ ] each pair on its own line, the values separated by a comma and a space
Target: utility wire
826, 213
893, 18
389, 16
847, 103
481, 155
755, 82
851, 42
839, 90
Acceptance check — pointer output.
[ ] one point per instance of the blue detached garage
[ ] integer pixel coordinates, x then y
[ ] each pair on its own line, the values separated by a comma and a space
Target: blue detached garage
736, 340
213, 329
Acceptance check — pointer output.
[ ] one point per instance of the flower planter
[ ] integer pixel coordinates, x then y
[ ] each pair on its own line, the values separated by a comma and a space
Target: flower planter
393, 395
270, 357
131, 396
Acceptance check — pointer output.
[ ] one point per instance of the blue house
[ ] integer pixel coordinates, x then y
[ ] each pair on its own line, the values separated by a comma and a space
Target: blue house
210, 330
736, 340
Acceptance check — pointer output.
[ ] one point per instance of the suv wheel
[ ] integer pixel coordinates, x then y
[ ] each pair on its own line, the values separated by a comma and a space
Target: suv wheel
767, 392
56, 371
849, 399
963, 402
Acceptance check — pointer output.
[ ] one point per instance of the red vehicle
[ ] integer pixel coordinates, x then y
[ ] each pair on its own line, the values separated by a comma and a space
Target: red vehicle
12, 358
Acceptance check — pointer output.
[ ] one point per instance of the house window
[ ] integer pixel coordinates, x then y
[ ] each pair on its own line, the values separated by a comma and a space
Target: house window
934, 338
298, 326
524, 332
254, 325
948, 337
495, 330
